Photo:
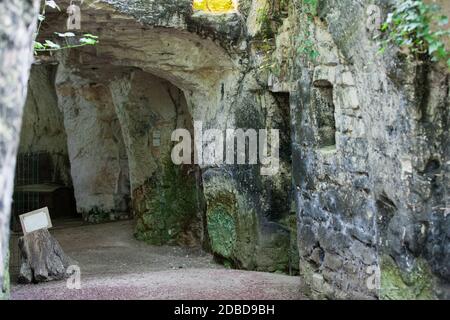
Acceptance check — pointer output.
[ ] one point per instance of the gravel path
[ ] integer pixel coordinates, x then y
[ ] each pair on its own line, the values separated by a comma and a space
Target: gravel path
114, 266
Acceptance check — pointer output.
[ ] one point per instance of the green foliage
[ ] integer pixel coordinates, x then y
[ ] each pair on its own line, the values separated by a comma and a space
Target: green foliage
168, 206
49, 45
270, 17
222, 231
416, 27
307, 10
398, 285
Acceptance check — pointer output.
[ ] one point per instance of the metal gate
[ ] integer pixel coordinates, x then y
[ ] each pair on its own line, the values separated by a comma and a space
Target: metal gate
27, 174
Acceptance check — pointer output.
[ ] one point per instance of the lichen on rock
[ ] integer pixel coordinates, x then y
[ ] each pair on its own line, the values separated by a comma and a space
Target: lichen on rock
222, 230
167, 208
396, 284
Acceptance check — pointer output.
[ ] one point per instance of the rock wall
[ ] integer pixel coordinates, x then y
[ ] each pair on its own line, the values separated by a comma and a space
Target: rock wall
43, 128
16, 31
166, 200
96, 149
370, 156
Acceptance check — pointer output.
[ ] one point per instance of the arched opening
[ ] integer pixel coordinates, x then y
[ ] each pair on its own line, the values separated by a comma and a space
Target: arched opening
120, 102
106, 141
119, 128
42, 177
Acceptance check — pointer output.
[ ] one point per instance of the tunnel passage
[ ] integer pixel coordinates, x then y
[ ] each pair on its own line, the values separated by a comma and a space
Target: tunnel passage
113, 83
98, 147
119, 127
42, 177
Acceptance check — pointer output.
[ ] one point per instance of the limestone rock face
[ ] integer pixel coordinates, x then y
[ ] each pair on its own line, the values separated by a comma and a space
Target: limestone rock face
96, 149
16, 31
43, 128
369, 163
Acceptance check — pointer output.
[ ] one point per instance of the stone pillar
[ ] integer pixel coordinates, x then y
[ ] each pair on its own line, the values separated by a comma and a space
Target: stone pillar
17, 28
96, 149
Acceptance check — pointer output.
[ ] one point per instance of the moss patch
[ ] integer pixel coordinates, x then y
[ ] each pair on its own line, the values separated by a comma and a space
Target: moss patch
222, 231
167, 208
398, 285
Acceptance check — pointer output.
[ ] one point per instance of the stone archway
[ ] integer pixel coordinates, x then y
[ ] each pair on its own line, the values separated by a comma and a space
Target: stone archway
119, 127
194, 58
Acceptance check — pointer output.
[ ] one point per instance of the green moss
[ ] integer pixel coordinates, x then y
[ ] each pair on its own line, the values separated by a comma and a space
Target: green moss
96, 215
167, 207
306, 11
229, 202
222, 231
398, 285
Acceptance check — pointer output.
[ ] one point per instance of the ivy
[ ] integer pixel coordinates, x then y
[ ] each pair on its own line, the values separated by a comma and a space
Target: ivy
306, 43
49, 45
416, 27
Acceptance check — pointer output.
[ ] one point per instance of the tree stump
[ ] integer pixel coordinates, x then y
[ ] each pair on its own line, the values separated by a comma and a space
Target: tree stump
42, 258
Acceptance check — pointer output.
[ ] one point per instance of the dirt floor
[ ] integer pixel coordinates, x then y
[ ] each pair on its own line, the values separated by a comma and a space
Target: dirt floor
116, 266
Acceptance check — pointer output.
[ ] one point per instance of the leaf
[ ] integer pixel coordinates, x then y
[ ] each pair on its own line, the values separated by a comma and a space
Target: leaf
443, 20
65, 35
38, 46
52, 4
88, 35
88, 41
51, 45
433, 47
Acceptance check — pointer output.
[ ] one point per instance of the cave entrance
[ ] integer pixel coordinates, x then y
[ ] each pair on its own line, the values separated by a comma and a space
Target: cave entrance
42, 177
96, 147
166, 199
119, 122
43, 174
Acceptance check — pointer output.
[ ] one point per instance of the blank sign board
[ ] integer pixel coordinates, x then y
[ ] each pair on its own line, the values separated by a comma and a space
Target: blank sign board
36, 220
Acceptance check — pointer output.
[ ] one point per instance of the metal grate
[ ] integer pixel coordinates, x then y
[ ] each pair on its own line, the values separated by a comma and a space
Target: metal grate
27, 173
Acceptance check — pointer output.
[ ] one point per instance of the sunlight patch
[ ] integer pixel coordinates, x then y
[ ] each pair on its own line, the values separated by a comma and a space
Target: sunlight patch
215, 6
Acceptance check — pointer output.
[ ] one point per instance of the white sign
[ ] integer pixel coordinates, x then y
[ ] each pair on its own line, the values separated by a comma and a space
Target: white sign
157, 138
35, 220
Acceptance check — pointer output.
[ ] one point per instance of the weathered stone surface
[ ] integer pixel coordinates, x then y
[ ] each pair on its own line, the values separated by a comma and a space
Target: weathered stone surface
97, 152
17, 28
378, 189
43, 124
159, 67
42, 258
